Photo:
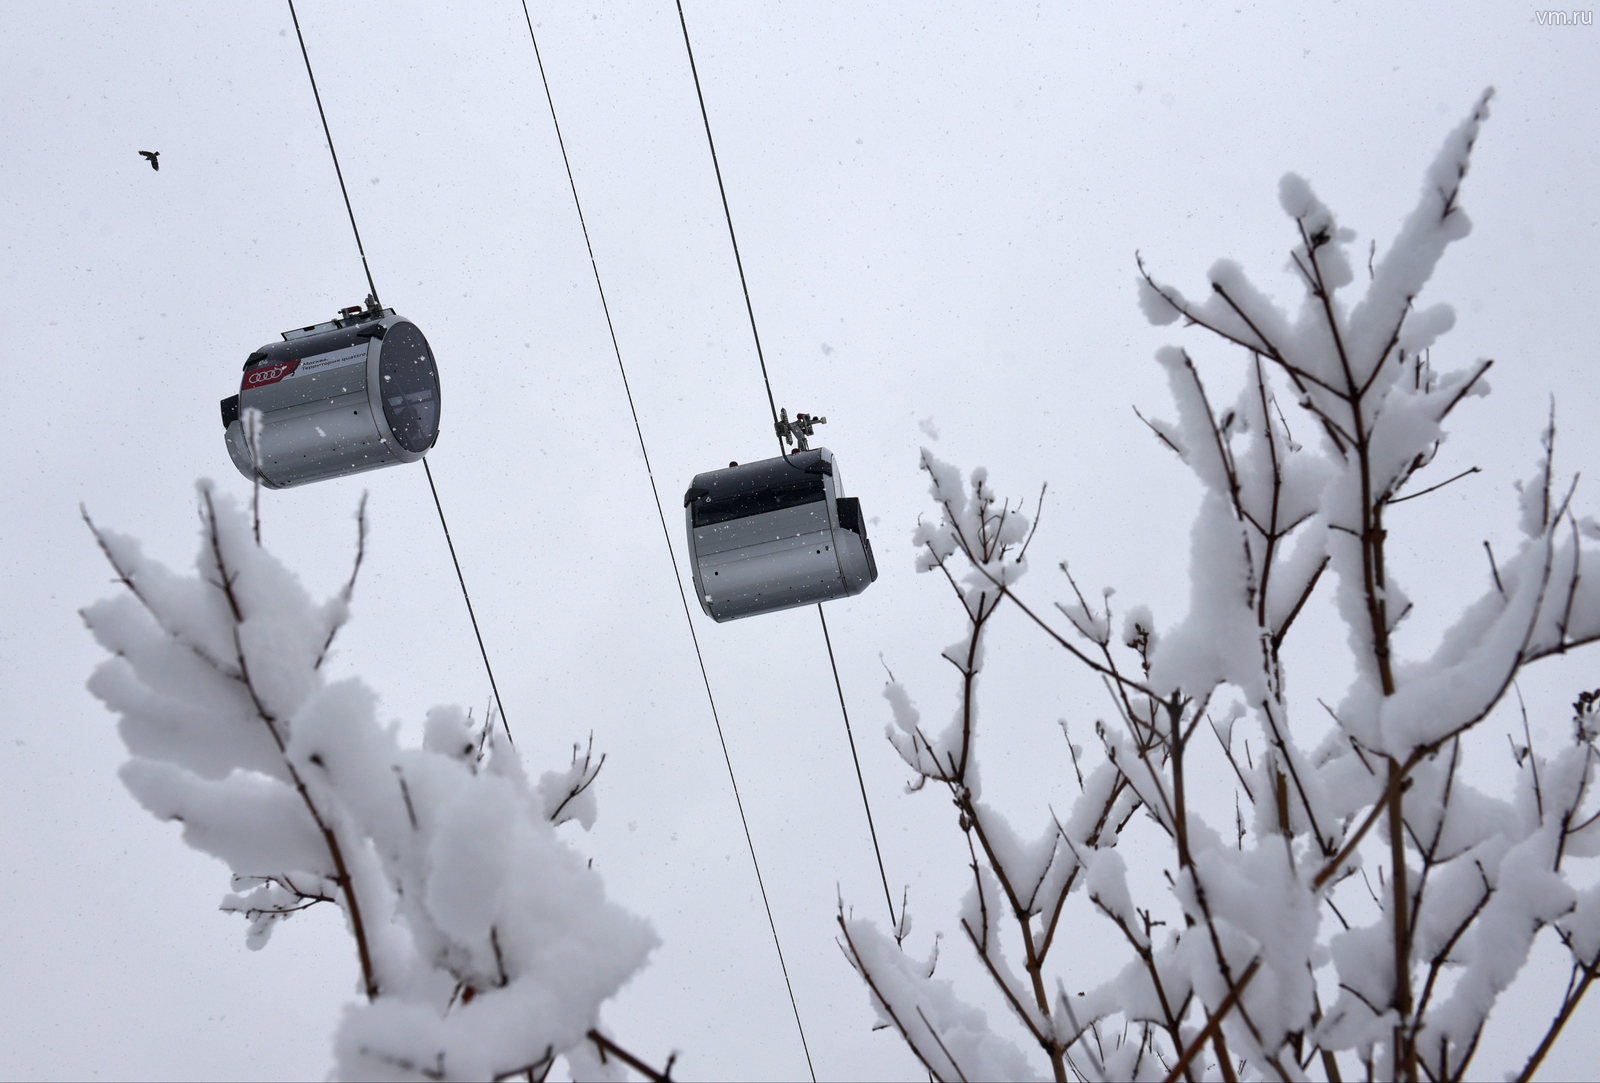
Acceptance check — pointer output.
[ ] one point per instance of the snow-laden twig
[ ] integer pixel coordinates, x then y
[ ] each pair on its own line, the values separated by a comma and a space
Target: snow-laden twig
1462, 882
486, 944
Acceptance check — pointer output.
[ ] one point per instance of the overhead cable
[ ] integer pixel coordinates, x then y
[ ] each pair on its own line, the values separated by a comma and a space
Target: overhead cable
374, 304
667, 536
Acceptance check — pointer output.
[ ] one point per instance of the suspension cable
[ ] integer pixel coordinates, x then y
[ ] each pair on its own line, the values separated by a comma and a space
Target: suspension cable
377, 305
468, 598
335, 155
666, 534
749, 308
728, 214
862, 782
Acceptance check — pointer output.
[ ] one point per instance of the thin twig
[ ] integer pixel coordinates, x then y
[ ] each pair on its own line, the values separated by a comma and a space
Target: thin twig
942, 1048
1569, 1004
1039, 514
866, 975
607, 1046
1212, 1027
1433, 488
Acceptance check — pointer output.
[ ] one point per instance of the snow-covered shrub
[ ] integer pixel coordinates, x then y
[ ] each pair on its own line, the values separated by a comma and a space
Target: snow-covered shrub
486, 944
1254, 947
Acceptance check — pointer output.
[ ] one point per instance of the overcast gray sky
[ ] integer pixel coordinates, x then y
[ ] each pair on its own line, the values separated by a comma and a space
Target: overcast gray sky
938, 207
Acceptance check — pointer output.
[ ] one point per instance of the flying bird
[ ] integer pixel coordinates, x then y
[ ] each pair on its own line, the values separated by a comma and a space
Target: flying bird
151, 156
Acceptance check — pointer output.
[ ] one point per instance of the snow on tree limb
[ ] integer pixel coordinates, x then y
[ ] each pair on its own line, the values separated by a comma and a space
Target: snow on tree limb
1366, 864
486, 943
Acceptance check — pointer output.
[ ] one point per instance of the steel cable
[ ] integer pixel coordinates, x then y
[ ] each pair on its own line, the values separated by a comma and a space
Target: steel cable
677, 576
756, 335
376, 305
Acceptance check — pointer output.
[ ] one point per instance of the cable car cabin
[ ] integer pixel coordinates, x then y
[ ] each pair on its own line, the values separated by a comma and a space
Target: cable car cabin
355, 393
775, 534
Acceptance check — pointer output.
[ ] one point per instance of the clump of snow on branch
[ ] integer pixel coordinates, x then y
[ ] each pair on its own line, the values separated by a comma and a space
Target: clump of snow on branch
992, 537
486, 943
1354, 860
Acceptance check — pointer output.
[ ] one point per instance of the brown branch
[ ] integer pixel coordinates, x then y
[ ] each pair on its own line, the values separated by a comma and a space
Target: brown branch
1494, 568
125, 577
1277, 493
1227, 750
939, 562
1037, 516
1283, 630
942, 1048
433, 1071
1433, 488
1323, 843
1487, 364
1388, 346
1572, 586
252, 442
1094, 836
968, 676
533, 1070
329, 836
350, 585
1569, 1004
1436, 964
1147, 956
586, 776
1111, 672
1405, 1050
1018, 908
1213, 1027
1180, 807
866, 975
1176, 450
1005, 987
1533, 761
607, 1046
405, 792
1216, 434
1262, 346
1378, 807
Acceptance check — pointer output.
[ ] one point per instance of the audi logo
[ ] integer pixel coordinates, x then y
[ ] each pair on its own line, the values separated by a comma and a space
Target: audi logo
269, 374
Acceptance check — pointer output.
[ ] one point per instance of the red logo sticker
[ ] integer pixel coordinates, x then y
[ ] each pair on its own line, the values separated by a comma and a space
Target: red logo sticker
268, 374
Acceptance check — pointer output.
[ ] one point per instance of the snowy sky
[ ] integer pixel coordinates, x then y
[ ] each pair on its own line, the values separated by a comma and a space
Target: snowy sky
938, 207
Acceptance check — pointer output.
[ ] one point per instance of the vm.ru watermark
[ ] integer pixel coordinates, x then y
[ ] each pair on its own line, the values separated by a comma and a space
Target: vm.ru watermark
1564, 18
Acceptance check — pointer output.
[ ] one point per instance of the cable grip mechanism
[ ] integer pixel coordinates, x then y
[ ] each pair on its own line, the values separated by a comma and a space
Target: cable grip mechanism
800, 427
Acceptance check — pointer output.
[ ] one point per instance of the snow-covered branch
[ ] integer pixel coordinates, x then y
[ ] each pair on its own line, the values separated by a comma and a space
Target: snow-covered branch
486, 943
1354, 855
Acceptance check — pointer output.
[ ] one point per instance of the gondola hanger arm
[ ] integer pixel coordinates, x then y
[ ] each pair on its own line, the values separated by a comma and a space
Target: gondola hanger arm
800, 427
